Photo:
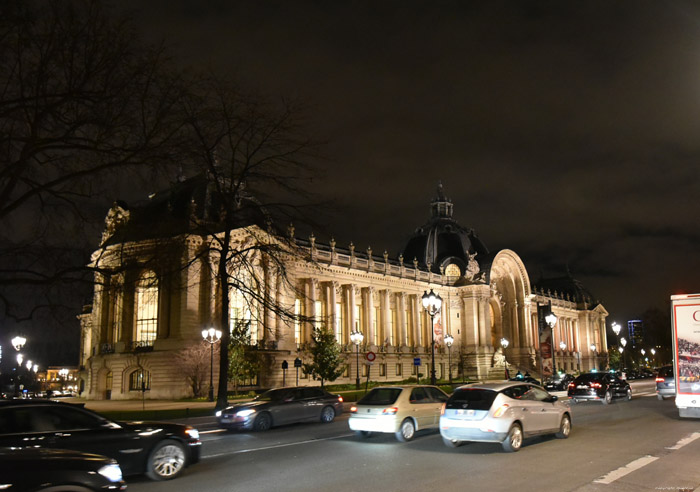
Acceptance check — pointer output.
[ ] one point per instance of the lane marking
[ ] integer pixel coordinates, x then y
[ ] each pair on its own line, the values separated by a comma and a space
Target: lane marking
685, 441
622, 471
275, 446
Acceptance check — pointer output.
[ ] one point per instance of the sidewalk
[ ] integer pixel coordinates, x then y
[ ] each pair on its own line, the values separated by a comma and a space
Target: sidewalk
140, 405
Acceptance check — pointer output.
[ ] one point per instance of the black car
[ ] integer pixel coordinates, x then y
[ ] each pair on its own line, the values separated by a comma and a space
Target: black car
525, 378
602, 386
282, 406
560, 382
160, 450
42, 469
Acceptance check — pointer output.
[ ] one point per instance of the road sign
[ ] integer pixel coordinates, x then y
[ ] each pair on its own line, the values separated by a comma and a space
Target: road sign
416, 361
370, 356
285, 365
297, 362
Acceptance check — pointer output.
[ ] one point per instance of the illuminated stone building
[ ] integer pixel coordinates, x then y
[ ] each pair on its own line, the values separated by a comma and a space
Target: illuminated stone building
140, 318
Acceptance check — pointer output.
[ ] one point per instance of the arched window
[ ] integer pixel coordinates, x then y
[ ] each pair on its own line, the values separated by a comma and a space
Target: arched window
140, 380
146, 309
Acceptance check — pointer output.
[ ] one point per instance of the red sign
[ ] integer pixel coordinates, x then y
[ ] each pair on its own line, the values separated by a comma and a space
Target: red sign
370, 356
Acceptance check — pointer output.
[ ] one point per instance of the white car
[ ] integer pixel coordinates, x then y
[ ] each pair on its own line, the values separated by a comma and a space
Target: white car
504, 412
398, 410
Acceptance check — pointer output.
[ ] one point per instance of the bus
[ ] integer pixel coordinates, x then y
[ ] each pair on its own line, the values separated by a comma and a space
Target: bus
685, 323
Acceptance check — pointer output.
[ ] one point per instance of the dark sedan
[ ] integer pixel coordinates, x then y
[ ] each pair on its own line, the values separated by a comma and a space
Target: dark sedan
41, 469
560, 382
160, 450
601, 386
282, 406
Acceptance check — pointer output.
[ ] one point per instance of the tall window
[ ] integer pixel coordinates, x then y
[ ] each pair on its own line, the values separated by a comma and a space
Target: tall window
117, 307
358, 317
241, 316
318, 314
392, 326
297, 323
375, 326
338, 322
147, 308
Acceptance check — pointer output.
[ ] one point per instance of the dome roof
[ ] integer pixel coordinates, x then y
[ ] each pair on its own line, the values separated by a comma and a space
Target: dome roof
442, 241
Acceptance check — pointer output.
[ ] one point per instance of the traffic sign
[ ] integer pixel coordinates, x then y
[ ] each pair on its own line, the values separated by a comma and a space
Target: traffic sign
370, 356
416, 361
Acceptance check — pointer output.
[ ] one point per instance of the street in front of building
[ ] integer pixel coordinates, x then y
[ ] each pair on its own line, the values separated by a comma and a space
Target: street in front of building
629, 445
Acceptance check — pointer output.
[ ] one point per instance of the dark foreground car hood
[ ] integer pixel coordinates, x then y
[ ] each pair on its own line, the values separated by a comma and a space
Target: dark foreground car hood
27, 458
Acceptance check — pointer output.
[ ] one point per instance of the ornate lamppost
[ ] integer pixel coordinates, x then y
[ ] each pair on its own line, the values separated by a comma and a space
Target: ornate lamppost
432, 303
551, 320
504, 344
212, 336
356, 337
623, 342
449, 340
594, 349
562, 347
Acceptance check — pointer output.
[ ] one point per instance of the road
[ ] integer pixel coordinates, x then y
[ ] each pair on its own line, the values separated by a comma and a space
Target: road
626, 446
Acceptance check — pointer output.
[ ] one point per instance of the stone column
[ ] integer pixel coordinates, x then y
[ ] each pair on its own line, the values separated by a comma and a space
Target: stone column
401, 318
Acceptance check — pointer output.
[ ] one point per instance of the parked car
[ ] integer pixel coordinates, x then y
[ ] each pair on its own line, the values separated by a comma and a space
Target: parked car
560, 382
665, 383
602, 386
399, 410
525, 378
40, 469
281, 406
158, 449
503, 413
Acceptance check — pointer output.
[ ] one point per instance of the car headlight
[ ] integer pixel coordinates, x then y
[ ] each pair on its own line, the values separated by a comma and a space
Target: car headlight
245, 413
193, 433
218, 413
111, 472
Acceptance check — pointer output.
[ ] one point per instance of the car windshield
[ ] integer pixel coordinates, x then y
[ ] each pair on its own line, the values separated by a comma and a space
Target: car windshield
274, 395
472, 398
380, 396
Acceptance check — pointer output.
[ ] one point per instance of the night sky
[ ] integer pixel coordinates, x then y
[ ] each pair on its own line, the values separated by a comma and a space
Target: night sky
568, 132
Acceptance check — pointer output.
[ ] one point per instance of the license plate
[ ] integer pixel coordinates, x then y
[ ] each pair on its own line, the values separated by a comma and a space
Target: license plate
582, 387
468, 413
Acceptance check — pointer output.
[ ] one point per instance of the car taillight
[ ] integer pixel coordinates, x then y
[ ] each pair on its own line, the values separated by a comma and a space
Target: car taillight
353, 409
596, 385
390, 411
571, 385
442, 409
659, 380
501, 410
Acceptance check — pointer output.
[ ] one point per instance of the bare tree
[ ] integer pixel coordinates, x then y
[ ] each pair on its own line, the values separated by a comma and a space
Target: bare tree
82, 102
194, 363
253, 154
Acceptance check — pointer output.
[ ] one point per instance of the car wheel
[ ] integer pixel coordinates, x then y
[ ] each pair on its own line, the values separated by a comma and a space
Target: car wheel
452, 444
406, 431
629, 394
514, 439
564, 427
327, 415
608, 398
166, 461
263, 422
363, 434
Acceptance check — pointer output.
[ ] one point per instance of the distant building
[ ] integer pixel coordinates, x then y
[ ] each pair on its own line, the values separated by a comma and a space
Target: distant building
635, 330
140, 318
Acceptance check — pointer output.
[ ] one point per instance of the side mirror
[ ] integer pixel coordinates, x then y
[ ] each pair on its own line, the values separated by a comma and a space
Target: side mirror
551, 398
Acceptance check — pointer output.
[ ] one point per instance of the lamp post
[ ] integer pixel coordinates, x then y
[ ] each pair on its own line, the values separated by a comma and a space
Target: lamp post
551, 320
562, 347
504, 344
356, 337
643, 353
623, 342
653, 356
595, 355
18, 342
64, 374
212, 336
449, 340
432, 303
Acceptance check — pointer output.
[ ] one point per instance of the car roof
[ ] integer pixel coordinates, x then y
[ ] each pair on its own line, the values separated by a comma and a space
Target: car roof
495, 386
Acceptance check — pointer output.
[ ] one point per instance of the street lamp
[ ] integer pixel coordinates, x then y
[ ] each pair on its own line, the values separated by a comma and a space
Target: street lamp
356, 337
432, 303
551, 320
653, 356
18, 342
212, 336
616, 328
449, 340
562, 347
20, 358
595, 355
504, 344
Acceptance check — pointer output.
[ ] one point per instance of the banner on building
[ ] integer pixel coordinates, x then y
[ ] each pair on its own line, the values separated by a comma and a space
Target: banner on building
437, 329
545, 341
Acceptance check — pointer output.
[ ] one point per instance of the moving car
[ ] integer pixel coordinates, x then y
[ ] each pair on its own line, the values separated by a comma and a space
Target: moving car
158, 449
560, 382
399, 410
43, 469
601, 386
282, 406
525, 378
504, 412
665, 383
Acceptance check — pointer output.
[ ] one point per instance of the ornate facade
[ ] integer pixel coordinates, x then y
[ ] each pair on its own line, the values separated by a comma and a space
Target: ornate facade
140, 317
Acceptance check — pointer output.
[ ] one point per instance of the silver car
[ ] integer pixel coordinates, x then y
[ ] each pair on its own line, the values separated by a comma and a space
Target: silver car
504, 412
665, 383
399, 410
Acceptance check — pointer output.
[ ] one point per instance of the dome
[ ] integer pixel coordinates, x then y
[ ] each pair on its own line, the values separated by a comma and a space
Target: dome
442, 242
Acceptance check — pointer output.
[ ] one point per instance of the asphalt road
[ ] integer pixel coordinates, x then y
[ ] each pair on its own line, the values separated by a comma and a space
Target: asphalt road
626, 446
